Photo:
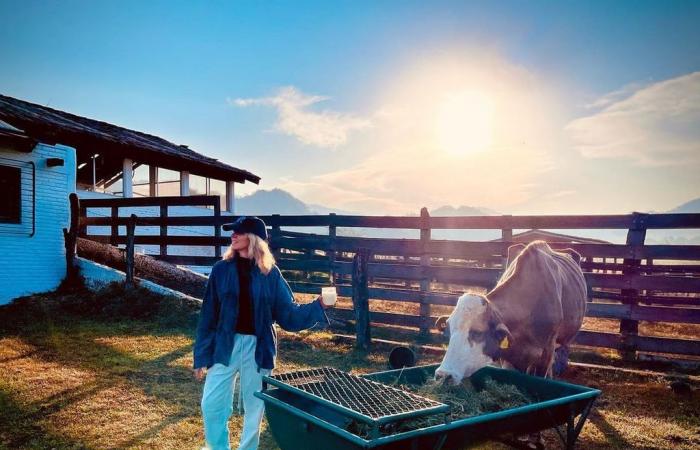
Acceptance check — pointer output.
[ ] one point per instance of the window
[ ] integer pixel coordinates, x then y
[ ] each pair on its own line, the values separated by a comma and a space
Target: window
218, 187
168, 182
198, 185
11, 199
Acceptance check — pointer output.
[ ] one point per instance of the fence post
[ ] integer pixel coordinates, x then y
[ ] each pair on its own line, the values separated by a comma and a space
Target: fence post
217, 229
130, 228
360, 299
82, 225
114, 231
425, 279
308, 257
70, 237
275, 235
506, 236
629, 329
163, 229
331, 248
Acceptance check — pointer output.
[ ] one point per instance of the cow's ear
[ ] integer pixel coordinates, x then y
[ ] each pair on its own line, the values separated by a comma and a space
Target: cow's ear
503, 336
573, 253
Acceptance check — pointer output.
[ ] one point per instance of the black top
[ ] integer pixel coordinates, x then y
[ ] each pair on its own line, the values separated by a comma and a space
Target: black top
245, 323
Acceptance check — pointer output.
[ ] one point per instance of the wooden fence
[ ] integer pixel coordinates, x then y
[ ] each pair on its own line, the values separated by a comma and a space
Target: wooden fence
625, 281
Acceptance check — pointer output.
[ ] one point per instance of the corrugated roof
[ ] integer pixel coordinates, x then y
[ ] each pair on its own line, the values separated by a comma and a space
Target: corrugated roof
53, 126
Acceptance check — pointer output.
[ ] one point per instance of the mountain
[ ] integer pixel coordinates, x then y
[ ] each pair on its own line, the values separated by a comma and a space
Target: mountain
279, 201
692, 206
275, 201
677, 237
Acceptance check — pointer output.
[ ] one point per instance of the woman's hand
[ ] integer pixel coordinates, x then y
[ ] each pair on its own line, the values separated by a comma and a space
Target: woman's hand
199, 373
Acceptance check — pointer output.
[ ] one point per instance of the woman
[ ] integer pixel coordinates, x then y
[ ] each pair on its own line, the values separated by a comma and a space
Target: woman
245, 294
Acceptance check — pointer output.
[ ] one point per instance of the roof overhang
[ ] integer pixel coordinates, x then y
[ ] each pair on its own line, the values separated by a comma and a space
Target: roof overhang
89, 136
16, 141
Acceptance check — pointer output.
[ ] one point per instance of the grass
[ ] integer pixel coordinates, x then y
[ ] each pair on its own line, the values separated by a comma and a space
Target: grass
112, 370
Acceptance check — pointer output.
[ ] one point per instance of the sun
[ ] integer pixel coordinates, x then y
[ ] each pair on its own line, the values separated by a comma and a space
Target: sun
464, 122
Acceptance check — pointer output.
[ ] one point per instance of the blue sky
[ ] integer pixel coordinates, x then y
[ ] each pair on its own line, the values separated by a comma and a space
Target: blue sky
320, 98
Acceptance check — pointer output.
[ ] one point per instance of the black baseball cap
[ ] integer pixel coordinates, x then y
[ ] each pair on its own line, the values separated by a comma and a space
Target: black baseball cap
247, 224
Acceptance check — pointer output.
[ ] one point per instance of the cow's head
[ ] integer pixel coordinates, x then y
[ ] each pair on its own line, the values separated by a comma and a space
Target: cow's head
478, 336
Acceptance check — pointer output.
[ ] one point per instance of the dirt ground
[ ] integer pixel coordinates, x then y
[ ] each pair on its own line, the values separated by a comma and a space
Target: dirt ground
87, 378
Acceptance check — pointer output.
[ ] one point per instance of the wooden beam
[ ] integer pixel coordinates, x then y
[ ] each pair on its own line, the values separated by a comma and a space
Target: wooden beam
184, 183
193, 200
332, 234
629, 328
230, 196
424, 277
217, 230
127, 178
70, 236
129, 253
163, 250
153, 180
360, 299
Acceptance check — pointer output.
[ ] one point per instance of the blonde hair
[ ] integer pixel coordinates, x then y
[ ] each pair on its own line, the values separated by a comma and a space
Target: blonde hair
258, 250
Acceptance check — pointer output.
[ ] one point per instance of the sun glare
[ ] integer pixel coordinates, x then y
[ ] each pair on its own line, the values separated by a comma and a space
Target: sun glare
464, 123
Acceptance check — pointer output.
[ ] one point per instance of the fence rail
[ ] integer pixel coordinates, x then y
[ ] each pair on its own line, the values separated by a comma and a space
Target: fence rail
623, 280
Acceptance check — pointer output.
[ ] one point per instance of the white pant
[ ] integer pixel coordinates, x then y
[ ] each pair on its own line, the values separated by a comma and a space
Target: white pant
217, 397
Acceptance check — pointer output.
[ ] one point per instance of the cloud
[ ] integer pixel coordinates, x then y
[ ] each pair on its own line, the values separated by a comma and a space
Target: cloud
615, 96
324, 129
652, 125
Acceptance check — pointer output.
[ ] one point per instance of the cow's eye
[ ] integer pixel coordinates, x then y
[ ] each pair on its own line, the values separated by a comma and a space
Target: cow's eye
476, 335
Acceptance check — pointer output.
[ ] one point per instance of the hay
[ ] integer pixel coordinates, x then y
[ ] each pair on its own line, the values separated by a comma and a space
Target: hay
463, 399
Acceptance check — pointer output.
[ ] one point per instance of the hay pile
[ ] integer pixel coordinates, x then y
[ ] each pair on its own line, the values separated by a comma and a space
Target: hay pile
464, 401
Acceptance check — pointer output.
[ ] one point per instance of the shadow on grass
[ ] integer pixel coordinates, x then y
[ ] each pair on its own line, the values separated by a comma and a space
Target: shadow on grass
613, 437
154, 377
64, 329
20, 424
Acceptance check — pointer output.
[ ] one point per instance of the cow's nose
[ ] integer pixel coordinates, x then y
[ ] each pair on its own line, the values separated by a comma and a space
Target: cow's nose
442, 376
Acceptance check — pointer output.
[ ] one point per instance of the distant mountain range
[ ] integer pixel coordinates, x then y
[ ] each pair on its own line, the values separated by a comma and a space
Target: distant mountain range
692, 206
279, 201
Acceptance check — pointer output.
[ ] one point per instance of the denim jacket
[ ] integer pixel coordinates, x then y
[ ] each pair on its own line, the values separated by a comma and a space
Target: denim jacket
273, 301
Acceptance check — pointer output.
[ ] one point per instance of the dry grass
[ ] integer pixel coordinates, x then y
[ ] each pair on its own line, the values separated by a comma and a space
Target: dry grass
85, 379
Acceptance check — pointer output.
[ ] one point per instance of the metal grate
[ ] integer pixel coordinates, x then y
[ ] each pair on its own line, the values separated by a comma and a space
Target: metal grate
373, 400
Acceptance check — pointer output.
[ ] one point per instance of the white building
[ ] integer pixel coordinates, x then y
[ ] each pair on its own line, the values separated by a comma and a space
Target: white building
45, 154
35, 181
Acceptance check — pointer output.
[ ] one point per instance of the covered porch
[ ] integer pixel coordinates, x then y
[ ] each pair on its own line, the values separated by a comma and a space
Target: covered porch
126, 162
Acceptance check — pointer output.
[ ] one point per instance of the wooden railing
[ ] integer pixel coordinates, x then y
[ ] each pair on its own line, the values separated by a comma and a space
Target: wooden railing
624, 281
162, 220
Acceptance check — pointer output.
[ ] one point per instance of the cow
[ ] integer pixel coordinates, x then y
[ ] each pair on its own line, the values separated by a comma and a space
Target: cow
538, 304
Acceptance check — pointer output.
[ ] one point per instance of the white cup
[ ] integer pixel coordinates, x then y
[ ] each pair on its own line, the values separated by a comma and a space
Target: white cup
329, 295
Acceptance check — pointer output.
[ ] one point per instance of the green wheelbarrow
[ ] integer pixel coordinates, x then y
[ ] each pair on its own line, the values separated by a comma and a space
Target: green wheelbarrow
306, 413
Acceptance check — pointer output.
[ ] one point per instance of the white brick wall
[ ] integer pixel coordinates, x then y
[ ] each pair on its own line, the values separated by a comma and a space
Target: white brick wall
37, 263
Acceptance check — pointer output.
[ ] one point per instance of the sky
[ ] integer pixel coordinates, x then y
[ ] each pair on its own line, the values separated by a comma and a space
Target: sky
382, 107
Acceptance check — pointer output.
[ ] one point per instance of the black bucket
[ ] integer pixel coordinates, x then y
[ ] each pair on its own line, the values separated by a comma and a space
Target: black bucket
401, 357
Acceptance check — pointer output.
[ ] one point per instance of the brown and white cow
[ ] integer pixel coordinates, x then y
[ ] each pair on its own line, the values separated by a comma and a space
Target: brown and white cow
538, 304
